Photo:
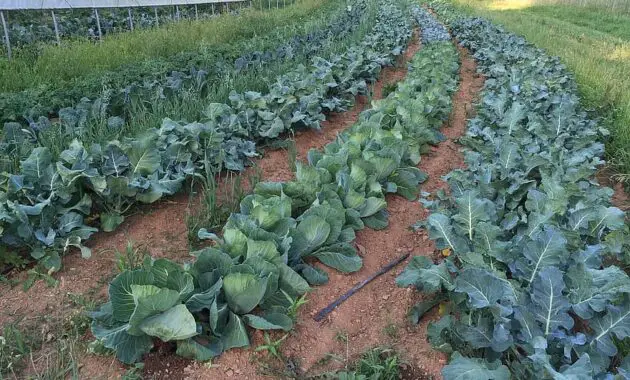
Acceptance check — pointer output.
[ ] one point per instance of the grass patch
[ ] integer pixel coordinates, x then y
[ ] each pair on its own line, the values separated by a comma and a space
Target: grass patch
131, 257
218, 199
391, 330
599, 59
378, 363
49, 345
74, 59
15, 346
613, 23
621, 6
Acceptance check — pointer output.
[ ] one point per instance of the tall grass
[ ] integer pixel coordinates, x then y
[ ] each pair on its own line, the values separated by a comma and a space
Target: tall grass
617, 6
74, 59
597, 19
610, 5
599, 60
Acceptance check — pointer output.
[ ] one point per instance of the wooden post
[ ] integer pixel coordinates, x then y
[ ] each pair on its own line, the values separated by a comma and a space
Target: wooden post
157, 19
56, 27
130, 18
98, 25
6, 34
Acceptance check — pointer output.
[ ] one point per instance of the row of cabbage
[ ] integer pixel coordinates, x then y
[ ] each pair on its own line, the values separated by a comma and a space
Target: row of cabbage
526, 290
43, 117
263, 260
44, 204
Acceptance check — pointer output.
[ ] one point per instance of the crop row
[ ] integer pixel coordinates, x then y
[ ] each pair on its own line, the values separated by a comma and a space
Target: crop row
194, 78
526, 291
44, 203
261, 265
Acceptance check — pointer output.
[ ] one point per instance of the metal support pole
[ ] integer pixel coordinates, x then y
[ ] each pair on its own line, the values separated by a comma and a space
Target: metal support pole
177, 12
56, 27
130, 19
213, 9
277, 4
6, 34
196, 12
157, 19
98, 25
269, 4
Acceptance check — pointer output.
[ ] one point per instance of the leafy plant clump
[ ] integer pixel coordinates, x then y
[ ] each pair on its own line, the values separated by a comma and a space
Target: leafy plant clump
432, 30
44, 204
261, 264
375, 364
525, 290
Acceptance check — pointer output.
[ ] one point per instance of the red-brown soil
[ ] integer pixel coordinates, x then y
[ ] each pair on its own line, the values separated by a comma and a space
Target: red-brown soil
620, 198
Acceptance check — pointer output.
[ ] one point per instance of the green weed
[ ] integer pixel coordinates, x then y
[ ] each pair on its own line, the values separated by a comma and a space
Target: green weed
378, 363
134, 373
271, 346
391, 330
39, 273
296, 303
131, 257
60, 363
14, 349
217, 201
292, 155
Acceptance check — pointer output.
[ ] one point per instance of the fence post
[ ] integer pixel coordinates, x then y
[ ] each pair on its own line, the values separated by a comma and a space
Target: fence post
177, 12
196, 12
98, 25
56, 27
130, 19
213, 9
6, 34
157, 19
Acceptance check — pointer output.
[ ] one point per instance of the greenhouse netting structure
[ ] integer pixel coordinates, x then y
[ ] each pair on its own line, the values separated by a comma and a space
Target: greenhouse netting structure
95, 5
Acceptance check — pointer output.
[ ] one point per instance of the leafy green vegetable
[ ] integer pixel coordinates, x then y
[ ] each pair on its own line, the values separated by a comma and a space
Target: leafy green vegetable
527, 291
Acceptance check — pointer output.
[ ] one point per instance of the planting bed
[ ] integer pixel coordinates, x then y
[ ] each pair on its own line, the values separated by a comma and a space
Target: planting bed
457, 143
